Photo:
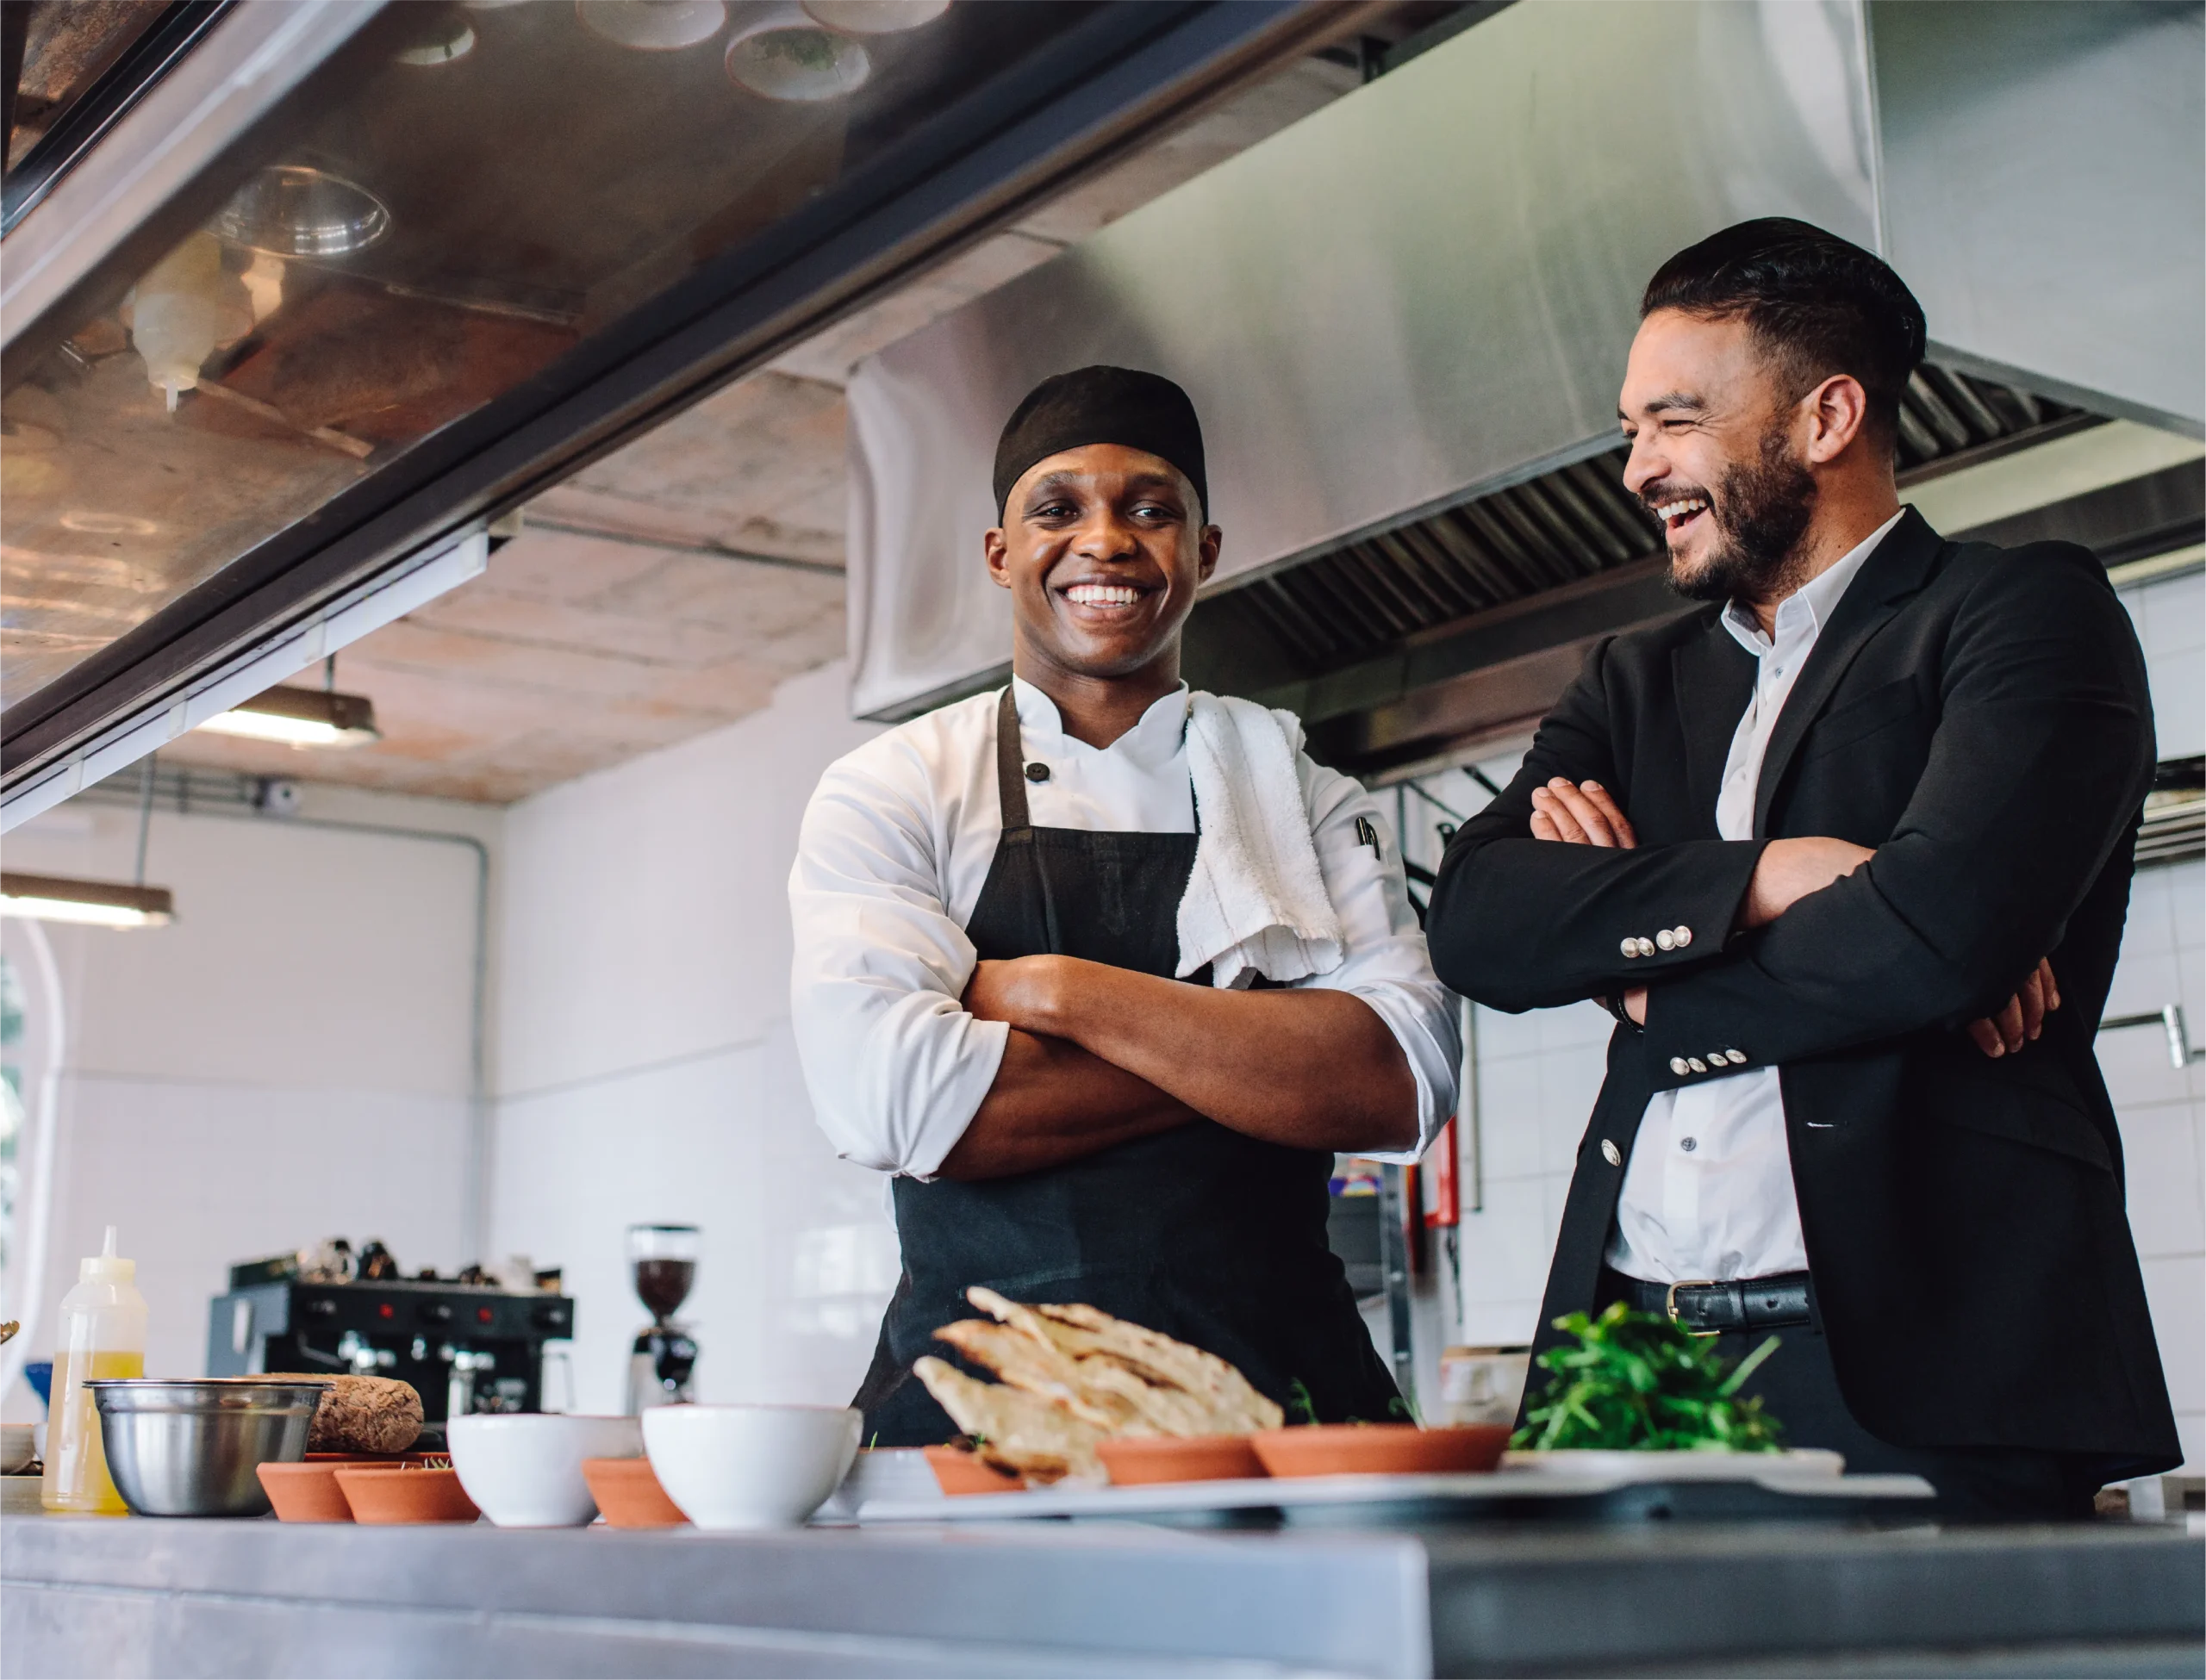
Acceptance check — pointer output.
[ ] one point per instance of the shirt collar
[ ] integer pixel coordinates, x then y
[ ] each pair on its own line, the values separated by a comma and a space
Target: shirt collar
1807, 609
1155, 739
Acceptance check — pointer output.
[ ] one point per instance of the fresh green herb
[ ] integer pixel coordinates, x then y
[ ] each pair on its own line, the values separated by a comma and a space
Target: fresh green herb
875, 1442
1401, 1408
1300, 1408
1636, 1380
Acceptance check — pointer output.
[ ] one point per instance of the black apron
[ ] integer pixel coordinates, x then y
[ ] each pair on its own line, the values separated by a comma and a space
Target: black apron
1203, 1233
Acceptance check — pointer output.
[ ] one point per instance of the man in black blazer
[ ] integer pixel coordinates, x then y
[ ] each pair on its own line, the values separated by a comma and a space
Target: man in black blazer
1846, 850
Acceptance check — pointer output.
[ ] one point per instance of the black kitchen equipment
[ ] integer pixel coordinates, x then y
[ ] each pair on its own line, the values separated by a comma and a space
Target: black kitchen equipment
464, 1348
663, 1262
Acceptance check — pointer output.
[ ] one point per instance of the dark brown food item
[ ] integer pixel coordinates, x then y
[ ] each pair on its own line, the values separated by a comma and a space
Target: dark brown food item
361, 1414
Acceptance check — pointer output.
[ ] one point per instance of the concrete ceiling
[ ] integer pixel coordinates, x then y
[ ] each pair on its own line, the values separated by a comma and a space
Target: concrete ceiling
667, 589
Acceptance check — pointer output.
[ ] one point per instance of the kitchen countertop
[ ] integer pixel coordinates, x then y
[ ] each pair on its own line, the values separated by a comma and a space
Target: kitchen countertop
144, 1596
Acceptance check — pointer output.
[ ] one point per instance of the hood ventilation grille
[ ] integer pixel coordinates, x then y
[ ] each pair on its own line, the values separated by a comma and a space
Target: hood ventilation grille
1299, 634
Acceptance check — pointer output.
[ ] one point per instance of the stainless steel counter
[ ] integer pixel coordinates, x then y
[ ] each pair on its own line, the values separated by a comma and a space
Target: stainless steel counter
131, 1596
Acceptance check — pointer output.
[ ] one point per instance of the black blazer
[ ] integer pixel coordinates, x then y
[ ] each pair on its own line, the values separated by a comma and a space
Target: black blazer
1979, 716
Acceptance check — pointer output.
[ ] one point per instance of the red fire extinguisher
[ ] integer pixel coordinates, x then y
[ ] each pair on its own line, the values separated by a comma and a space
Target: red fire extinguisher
1445, 1207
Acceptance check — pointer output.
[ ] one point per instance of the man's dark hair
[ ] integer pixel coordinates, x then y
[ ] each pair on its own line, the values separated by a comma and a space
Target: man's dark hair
1817, 304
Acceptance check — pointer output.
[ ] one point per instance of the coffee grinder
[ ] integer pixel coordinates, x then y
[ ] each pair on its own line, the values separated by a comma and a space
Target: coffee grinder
663, 1261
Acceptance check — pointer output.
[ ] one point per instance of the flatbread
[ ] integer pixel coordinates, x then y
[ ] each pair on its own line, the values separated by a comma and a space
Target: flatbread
1036, 1366
1230, 1404
1020, 1433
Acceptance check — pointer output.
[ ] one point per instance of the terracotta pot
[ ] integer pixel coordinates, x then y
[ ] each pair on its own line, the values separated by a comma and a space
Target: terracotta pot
1381, 1449
959, 1472
628, 1494
1138, 1459
405, 1494
308, 1492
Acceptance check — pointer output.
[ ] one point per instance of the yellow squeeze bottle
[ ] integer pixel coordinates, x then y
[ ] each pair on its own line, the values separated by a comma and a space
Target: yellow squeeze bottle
103, 1334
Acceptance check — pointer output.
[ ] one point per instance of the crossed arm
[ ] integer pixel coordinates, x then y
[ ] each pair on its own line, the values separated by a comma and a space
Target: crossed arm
1788, 871
1098, 1055
1831, 945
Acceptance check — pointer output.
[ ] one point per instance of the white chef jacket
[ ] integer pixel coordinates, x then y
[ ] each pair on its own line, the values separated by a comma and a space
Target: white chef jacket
1709, 1192
895, 846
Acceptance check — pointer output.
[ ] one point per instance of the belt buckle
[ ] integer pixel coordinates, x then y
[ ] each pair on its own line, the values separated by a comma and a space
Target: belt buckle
1670, 1300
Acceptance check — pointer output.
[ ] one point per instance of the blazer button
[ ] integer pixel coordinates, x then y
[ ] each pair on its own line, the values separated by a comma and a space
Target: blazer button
1682, 936
1696, 1064
1631, 946
1611, 1153
1680, 1065
1665, 940
1736, 1058
1646, 947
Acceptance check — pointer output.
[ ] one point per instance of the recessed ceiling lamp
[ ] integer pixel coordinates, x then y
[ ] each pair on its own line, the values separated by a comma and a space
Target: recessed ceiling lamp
875, 17
448, 37
101, 904
652, 26
797, 62
300, 718
292, 210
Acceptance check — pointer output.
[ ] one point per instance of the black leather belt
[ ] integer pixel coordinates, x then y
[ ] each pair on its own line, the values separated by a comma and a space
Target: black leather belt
1710, 1309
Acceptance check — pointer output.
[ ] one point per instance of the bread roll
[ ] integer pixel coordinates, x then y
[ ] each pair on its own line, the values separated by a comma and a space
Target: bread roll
361, 1414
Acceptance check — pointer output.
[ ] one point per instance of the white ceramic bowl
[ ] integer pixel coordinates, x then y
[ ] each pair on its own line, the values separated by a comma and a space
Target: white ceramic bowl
525, 1469
731, 1467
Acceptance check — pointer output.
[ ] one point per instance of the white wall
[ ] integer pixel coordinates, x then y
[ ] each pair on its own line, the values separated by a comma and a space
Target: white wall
1539, 1071
646, 1071
288, 1060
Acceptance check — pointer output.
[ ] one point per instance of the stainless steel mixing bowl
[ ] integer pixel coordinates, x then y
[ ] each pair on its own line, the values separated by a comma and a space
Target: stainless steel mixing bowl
184, 1448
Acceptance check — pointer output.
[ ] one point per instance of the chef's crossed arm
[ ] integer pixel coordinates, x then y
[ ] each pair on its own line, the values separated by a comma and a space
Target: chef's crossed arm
903, 1072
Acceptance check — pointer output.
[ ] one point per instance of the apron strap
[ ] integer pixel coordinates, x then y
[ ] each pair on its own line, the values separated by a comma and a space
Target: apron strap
1018, 824
1010, 766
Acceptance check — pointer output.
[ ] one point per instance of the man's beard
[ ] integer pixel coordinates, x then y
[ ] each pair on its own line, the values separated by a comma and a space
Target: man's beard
1761, 511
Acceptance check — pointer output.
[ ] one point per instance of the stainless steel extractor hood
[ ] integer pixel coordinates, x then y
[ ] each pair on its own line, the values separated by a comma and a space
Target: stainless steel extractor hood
1405, 319
333, 284
1424, 287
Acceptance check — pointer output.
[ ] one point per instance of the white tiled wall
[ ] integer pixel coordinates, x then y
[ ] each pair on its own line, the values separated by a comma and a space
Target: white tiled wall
1538, 1073
646, 1071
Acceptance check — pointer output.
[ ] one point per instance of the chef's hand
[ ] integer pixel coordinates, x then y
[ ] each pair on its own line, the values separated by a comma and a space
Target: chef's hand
1022, 991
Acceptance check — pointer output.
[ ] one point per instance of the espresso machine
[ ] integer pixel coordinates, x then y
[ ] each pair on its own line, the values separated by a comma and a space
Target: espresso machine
663, 1264
464, 1346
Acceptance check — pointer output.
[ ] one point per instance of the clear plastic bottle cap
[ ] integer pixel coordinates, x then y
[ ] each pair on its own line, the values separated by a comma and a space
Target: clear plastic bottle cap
107, 1267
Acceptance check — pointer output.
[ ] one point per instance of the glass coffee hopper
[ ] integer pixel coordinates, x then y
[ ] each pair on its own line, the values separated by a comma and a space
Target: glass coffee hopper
663, 1260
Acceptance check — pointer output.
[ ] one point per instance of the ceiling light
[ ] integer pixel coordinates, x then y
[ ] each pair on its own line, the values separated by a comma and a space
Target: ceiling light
292, 210
103, 903
447, 37
653, 25
799, 64
875, 17
300, 718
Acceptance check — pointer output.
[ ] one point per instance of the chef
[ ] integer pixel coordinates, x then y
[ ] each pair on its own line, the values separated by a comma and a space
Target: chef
1105, 972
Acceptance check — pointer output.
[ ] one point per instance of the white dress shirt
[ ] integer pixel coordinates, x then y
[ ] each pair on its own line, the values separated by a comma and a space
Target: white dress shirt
1708, 1195
895, 845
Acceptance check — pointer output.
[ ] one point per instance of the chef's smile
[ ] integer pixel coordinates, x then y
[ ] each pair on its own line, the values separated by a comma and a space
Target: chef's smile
1105, 601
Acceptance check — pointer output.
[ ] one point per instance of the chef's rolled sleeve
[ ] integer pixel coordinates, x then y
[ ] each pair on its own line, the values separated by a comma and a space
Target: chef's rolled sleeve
1384, 961
896, 1067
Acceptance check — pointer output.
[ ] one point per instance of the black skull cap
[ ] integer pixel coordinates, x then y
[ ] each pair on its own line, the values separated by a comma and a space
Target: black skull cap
1101, 405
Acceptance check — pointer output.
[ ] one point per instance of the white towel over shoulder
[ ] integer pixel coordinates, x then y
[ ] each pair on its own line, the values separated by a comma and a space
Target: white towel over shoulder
1255, 902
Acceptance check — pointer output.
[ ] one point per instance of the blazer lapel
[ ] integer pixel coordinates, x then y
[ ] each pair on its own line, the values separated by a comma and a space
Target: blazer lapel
1713, 677
1895, 570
